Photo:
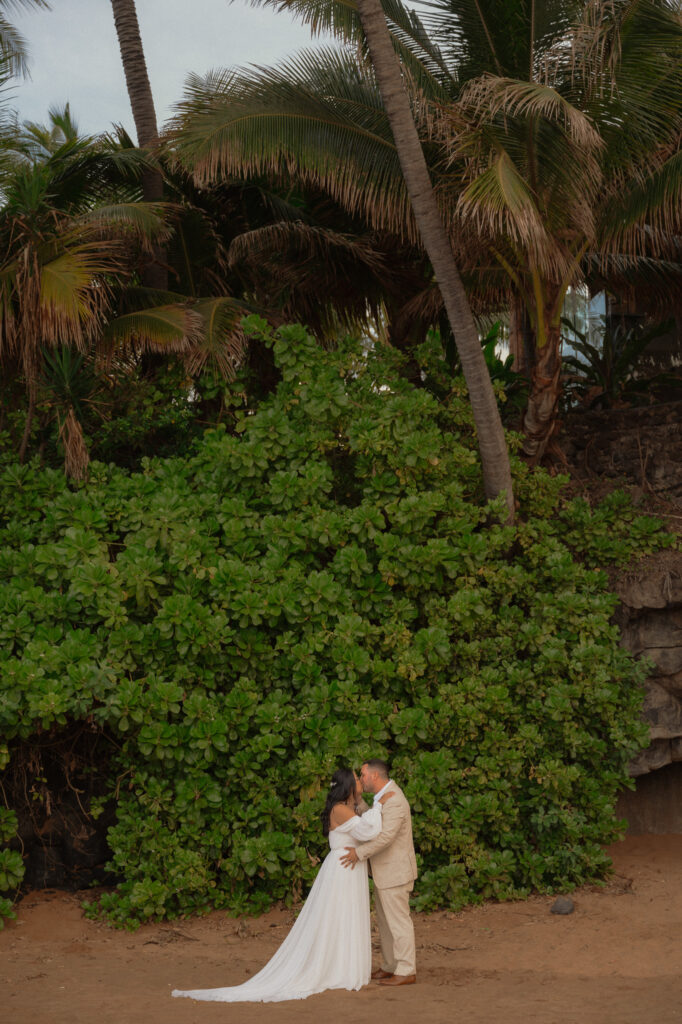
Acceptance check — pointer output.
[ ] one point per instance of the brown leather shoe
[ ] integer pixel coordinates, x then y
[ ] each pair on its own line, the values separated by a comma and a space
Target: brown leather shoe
380, 973
399, 979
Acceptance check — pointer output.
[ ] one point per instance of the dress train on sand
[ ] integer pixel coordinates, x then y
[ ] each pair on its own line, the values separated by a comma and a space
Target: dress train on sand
329, 945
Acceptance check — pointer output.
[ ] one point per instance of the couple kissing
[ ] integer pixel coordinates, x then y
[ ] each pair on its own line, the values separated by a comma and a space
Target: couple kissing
329, 945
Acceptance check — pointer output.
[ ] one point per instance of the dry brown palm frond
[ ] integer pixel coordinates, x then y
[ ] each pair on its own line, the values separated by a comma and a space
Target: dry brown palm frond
222, 343
642, 211
498, 202
328, 279
489, 96
522, 166
316, 119
306, 241
657, 283
591, 54
426, 306
487, 287
59, 299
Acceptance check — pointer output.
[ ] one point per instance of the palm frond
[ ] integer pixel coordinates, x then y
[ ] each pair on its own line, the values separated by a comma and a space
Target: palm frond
147, 223
657, 282
13, 47
330, 280
500, 201
172, 328
491, 95
317, 117
417, 52
70, 303
338, 18
478, 36
623, 63
12, 43
645, 214
222, 344
304, 241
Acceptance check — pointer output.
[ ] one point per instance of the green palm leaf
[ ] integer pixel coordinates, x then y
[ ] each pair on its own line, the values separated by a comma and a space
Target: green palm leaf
479, 36
318, 117
171, 328
418, 53
70, 304
145, 222
12, 43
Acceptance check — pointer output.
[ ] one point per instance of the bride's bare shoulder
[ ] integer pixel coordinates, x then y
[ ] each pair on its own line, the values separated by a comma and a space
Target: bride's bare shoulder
339, 814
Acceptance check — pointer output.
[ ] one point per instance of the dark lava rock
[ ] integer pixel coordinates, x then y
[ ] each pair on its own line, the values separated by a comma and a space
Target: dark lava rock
562, 905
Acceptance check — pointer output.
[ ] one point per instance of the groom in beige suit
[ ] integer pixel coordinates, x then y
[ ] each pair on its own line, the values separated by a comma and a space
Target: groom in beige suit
394, 869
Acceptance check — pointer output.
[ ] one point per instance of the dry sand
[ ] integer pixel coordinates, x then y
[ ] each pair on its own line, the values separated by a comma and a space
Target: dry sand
616, 960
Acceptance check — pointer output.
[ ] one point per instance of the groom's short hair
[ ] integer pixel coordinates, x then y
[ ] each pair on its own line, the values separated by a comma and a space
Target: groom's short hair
377, 765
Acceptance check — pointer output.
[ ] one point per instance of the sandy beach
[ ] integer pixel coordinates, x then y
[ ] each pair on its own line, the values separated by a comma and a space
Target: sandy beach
616, 960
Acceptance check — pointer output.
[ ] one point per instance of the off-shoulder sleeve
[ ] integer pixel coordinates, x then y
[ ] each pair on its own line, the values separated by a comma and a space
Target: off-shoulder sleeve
368, 826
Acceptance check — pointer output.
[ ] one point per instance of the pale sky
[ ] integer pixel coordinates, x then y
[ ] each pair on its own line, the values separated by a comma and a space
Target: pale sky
74, 53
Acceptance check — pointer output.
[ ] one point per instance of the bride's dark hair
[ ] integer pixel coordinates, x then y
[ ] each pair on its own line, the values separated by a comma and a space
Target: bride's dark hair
342, 785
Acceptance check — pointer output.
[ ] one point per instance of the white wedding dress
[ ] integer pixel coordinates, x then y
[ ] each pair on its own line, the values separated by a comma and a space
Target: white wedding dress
329, 945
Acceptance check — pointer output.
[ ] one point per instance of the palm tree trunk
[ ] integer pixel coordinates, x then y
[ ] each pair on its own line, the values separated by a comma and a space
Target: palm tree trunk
540, 418
540, 421
491, 440
155, 274
521, 337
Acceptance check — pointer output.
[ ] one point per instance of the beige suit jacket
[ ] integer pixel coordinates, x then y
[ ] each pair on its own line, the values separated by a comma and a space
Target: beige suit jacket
391, 854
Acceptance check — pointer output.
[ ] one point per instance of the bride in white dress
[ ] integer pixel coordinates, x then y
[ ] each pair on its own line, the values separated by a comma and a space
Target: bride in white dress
329, 945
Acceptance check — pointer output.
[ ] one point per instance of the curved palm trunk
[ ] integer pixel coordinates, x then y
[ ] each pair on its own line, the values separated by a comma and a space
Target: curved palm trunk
493, 448
155, 274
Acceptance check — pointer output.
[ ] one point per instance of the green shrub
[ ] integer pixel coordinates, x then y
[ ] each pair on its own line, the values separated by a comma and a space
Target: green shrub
323, 585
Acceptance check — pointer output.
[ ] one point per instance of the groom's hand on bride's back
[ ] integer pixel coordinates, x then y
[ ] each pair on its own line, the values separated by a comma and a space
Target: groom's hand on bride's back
350, 857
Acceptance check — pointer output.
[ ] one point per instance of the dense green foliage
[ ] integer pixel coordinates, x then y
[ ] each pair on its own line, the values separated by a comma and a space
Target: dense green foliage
322, 585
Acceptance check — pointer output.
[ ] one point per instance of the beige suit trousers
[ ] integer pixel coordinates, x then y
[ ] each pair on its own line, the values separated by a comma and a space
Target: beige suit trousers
396, 931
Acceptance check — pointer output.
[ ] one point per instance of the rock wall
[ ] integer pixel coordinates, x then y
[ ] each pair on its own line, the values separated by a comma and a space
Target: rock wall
655, 805
650, 618
641, 446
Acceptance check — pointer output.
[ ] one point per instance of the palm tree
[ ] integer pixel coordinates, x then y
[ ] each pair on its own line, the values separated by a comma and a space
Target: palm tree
144, 115
68, 197
566, 161
521, 112
67, 232
211, 157
493, 448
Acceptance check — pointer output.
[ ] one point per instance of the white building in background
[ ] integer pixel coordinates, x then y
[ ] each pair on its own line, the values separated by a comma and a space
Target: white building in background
586, 313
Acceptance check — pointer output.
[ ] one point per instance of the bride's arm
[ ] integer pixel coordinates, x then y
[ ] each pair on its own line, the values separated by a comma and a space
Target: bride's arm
368, 826
361, 807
